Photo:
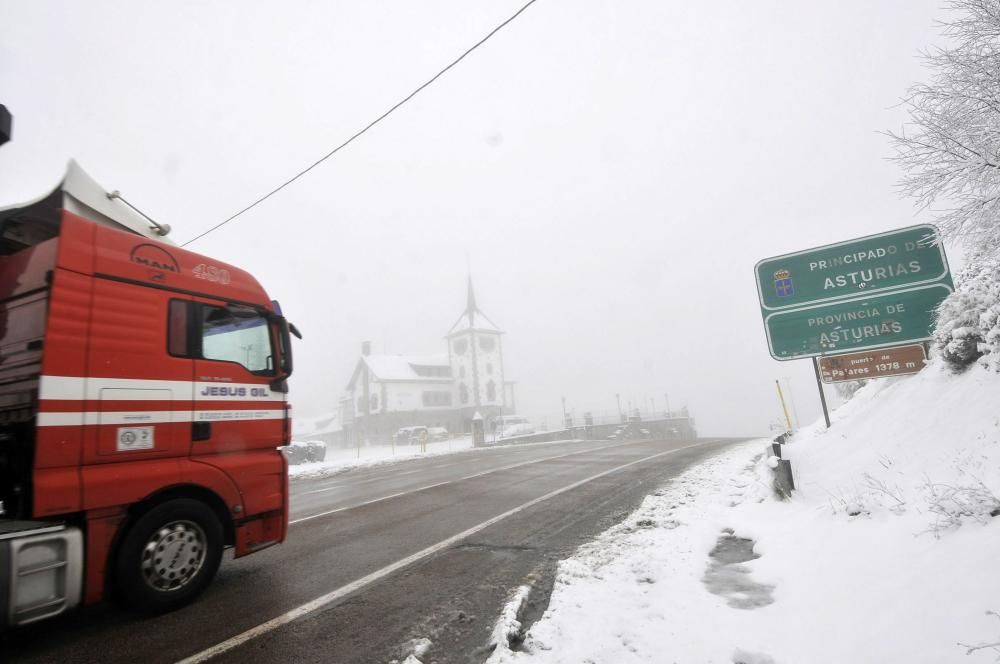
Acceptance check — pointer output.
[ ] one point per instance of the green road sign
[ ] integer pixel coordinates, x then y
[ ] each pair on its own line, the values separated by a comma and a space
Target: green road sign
904, 258
871, 321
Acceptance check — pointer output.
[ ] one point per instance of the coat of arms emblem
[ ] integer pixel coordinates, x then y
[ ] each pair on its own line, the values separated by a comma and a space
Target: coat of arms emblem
783, 283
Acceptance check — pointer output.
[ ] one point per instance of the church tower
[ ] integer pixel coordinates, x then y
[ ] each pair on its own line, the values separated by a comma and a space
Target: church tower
476, 357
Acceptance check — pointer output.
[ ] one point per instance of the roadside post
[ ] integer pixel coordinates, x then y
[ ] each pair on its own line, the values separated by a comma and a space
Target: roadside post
869, 294
784, 408
478, 430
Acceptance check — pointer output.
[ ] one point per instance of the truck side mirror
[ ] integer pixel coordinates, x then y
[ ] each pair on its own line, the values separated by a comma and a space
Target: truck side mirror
280, 384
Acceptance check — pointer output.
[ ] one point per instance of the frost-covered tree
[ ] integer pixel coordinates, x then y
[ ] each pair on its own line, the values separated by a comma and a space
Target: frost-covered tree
950, 151
968, 325
950, 155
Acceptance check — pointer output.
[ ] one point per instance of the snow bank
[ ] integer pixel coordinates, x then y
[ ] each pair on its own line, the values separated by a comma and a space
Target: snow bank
887, 552
339, 459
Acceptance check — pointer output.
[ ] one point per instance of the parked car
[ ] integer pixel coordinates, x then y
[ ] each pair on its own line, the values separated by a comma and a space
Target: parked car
513, 425
408, 435
438, 433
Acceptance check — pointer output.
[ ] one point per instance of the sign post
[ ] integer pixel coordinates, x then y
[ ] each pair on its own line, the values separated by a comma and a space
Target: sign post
870, 293
822, 395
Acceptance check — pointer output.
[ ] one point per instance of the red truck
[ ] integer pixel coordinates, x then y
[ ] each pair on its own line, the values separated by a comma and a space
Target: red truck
142, 401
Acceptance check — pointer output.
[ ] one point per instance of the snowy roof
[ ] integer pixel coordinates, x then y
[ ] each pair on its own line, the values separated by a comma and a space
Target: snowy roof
438, 360
431, 368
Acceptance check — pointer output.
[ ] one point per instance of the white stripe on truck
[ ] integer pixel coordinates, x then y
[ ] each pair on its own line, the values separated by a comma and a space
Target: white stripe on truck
65, 419
78, 388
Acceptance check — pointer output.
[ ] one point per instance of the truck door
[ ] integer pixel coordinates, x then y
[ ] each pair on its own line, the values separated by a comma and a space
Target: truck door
139, 390
235, 409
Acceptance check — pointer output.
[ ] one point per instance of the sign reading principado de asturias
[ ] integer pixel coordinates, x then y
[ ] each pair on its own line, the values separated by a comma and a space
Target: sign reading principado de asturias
906, 257
872, 292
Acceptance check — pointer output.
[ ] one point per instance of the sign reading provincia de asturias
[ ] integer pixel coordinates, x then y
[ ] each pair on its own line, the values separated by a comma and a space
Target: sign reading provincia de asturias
872, 292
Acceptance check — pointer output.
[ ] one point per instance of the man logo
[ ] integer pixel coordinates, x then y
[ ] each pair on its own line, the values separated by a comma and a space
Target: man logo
156, 260
783, 283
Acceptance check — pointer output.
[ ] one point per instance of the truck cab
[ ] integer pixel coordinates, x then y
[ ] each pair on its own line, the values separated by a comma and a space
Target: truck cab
143, 396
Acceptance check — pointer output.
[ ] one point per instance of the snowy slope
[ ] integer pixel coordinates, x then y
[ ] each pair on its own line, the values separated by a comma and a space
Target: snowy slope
887, 552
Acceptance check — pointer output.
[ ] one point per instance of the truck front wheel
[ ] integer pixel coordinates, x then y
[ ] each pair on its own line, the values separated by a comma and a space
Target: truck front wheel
168, 556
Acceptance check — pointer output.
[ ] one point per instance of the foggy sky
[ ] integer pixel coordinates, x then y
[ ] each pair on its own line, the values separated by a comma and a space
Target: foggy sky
610, 171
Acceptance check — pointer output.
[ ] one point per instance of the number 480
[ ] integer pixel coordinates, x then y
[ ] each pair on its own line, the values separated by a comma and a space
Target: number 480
212, 273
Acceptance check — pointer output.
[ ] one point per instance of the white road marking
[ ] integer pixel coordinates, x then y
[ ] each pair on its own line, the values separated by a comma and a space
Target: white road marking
367, 502
343, 591
424, 488
528, 463
334, 487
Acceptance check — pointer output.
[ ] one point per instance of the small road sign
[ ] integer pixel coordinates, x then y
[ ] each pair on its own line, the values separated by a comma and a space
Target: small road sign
881, 363
904, 258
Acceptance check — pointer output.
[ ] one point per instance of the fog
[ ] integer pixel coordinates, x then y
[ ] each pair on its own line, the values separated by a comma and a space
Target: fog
608, 172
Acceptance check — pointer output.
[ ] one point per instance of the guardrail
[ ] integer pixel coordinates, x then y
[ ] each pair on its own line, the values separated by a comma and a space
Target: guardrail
675, 427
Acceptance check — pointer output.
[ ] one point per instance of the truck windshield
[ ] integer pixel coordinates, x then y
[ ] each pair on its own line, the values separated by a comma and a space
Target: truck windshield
244, 339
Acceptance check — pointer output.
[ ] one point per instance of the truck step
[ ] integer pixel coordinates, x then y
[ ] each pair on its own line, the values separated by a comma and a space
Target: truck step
41, 570
11, 528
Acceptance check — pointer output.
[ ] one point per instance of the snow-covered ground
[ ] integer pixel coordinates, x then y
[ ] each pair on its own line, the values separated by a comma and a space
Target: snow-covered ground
340, 458
886, 553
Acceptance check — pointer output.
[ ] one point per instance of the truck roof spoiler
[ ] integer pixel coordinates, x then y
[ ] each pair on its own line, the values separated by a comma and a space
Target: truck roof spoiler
80, 194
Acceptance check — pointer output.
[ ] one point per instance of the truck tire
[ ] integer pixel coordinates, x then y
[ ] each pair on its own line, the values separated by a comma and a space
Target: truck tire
168, 556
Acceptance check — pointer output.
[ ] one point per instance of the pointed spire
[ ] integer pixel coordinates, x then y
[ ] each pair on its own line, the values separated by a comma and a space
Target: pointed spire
472, 316
470, 306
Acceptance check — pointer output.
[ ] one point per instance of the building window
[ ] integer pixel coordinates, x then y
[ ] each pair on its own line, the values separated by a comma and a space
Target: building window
460, 346
487, 343
436, 398
491, 391
489, 369
374, 402
431, 371
463, 393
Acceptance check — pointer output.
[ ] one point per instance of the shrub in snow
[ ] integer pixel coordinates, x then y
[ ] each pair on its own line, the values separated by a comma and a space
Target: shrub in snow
968, 321
847, 388
950, 504
969, 649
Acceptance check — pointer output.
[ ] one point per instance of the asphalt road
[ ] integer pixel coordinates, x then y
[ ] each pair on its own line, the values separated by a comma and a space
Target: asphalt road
425, 548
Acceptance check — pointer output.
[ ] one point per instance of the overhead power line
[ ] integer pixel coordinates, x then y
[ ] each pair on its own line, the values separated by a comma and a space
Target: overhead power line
366, 128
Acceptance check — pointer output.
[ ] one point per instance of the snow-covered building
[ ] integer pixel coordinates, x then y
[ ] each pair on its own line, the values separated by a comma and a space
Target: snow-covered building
387, 392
